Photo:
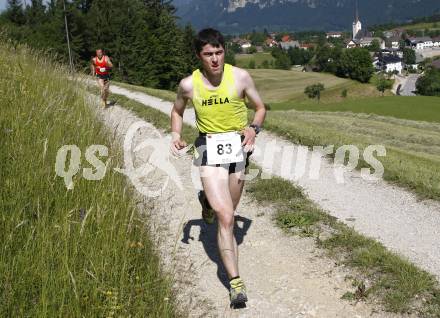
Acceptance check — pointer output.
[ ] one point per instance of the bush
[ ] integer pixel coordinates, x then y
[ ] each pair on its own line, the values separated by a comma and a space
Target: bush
383, 84
314, 91
252, 50
429, 84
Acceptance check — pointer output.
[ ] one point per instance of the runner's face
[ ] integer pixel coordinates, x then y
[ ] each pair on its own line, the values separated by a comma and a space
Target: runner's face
99, 53
213, 59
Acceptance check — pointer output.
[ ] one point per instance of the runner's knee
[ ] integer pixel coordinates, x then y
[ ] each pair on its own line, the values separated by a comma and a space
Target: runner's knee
226, 220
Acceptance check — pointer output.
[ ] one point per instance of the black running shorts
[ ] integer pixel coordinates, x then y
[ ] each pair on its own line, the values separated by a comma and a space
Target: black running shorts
105, 77
201, 158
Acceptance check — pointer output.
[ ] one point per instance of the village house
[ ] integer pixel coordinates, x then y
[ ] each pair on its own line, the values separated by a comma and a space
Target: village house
335, 35
286, 38
306, 46
367, 41
390, 64
289, 44
270, 42
436, 41
393, 42
420, 43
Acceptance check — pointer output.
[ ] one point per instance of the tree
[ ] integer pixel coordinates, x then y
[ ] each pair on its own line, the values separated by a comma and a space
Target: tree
14, 12
257, 38
141, 36
356, 64
252, 50
314, 91
299, 56
429, 84
325, 59
409, 56
282, 61
230, 57
374, 46
383, 84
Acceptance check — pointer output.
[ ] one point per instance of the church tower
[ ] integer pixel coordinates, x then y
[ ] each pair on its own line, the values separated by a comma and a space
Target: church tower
357, 25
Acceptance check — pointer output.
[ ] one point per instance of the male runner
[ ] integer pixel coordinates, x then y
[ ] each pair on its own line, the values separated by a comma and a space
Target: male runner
100, 66
218, 93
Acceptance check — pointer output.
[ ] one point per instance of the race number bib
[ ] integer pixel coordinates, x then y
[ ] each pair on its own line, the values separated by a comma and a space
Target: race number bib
224, 148
102, 69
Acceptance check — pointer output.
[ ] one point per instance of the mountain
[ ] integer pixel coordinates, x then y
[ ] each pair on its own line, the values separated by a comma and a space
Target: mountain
235, 16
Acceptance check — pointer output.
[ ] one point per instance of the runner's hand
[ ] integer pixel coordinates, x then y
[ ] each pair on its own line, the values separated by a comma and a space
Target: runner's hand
249, 139
177, 144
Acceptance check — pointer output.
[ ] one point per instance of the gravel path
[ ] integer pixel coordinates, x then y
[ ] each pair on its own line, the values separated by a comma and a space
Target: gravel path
409, 87
385, 212
286, 275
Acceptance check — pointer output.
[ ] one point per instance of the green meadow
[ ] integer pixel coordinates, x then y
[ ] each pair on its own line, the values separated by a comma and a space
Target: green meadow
420, 108
243, 60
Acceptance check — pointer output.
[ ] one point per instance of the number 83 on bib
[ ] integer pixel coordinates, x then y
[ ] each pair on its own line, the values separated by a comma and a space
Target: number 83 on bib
224, 148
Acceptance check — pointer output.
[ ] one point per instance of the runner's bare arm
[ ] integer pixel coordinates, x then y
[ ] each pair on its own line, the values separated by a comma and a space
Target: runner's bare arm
92, 67
183, 94
256, 102
109, 63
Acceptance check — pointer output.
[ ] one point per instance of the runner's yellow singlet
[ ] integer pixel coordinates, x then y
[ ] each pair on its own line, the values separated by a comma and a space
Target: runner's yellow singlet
221, 109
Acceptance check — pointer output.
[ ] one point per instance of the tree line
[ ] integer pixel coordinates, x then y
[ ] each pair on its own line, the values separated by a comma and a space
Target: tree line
142, 37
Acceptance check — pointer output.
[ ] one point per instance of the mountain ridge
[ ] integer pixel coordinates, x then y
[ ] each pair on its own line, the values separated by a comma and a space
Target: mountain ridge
234, 16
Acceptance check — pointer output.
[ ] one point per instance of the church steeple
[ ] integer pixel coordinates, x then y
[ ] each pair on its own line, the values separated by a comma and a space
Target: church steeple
356, 14
357, 25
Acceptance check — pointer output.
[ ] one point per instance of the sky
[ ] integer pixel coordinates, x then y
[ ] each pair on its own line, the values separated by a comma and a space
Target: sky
3, 3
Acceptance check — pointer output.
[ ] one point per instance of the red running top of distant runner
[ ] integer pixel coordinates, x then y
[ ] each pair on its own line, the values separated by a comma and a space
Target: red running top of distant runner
101, 65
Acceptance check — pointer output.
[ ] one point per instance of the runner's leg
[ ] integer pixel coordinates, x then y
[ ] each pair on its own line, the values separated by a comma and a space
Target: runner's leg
106, 90
101, 87
236, 189
215, 182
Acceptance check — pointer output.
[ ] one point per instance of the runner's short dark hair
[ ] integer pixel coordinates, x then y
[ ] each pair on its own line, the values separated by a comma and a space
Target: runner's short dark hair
208, 36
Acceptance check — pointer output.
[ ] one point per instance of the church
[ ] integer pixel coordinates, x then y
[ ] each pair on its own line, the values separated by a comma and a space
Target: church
362, 37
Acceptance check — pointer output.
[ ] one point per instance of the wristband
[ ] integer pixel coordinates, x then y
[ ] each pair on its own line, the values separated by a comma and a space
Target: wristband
256, 128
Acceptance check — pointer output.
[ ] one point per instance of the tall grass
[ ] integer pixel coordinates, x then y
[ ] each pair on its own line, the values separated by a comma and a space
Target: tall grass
84, 252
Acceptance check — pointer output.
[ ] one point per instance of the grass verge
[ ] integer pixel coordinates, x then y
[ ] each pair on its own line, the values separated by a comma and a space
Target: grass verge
379, 274
396, 283
83, 252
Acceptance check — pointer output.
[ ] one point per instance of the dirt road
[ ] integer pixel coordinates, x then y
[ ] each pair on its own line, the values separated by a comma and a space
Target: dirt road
286, 275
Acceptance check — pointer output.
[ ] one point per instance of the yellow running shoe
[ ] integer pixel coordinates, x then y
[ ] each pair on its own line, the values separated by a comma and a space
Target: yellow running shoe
208, 214
237, 293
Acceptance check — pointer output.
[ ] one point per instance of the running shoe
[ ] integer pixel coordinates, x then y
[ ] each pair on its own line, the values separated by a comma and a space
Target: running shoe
237, 293
208, 214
